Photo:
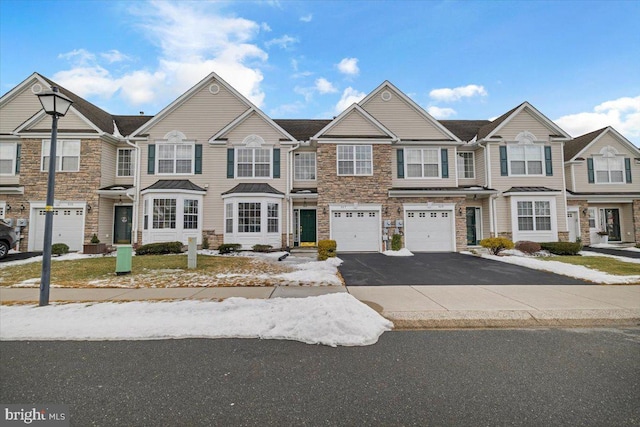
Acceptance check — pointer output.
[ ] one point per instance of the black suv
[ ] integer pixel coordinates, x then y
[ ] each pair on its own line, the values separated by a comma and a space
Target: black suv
7, 239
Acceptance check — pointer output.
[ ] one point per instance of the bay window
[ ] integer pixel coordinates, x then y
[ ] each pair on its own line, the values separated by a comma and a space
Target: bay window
534, 216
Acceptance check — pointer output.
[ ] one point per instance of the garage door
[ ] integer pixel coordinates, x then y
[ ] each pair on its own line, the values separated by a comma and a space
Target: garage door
68, 226
429, 231
356, 231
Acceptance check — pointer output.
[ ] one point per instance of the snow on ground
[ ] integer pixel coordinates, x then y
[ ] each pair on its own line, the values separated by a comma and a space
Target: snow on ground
613, 246
577, 271
401, 252
66, 257
315, 273
619, 258
333, 319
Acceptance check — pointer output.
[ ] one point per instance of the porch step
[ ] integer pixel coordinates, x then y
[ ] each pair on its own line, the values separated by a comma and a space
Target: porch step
311, 252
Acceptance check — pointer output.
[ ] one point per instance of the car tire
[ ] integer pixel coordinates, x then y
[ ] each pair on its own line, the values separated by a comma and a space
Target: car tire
4, 249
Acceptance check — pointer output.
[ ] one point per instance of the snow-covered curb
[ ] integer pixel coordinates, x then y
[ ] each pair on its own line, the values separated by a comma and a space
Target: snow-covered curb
333, 319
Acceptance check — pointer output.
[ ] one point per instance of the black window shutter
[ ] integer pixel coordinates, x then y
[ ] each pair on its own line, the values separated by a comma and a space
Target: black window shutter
151, 159
276, 163
230, 163
504, 167
400, 159
198, 158
627, 169
547, 160
590, 174
444, 155
18, 153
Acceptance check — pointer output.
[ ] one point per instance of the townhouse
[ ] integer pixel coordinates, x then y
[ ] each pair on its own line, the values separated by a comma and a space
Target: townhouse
213, 164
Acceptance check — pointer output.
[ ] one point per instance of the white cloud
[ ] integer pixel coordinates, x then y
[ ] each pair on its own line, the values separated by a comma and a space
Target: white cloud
457, 93
115, 55
306, 18
78, 56
325, 86
283, 42
441, 113
623, 114
265, 27
349, 96
349, 66
286, 109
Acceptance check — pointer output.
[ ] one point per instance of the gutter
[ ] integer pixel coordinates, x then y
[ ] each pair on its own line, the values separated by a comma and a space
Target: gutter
136, 197
289, 216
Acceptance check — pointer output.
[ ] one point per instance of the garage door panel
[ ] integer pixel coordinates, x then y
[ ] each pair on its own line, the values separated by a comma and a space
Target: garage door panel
68, 226
356, 231
429, 231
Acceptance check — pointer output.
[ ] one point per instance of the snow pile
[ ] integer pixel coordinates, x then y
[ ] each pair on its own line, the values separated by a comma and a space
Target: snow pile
315, 273
612, 246
401, 252
333, 319
66, 257
619, 258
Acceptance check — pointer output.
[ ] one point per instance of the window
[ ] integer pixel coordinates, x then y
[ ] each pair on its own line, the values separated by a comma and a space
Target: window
164, 213
126, 162
355, 160
423, 163
67, 155
190, 214
272, 218
248, 217
175, 158
465, 165
305, 166
8, 158
592, 217
253, 162
534, 216
525, 159
145, 214
229, 218
609, 168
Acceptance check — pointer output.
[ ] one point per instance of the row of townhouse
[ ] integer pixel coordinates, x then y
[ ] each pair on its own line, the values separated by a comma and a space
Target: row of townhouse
212, 164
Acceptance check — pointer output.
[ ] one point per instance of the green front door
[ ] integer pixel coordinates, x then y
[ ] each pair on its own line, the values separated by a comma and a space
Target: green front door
122, 225
612, 216
307, 227
472, 226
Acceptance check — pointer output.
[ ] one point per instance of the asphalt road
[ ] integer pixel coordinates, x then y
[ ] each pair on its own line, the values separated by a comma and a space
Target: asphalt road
587, 377
441, 268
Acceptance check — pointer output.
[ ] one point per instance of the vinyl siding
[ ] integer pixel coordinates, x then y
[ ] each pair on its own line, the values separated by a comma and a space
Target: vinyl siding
303, 184
503, 183
70, 121
354, 124
525, 121
481, 178
108, 164
105, 221
19, 109
503, 208
254, 125
477, 179
423, 182
568, 178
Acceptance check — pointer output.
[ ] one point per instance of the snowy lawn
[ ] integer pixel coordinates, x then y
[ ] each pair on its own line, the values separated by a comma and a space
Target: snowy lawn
333, 319
245, 269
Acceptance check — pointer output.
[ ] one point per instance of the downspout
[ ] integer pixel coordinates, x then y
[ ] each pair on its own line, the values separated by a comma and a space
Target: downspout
288, 193
136, 185
564, 190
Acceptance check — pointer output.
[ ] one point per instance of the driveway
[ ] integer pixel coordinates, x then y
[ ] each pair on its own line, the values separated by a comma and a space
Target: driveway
612, 251
371, 269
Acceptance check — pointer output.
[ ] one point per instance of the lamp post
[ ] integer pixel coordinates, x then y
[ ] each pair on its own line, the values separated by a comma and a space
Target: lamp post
56, 105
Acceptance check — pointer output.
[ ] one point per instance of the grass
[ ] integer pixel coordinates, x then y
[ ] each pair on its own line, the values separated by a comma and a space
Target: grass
146, 271
604, 264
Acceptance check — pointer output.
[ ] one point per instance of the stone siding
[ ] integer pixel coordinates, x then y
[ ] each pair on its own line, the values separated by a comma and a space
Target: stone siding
636, 221
584, 219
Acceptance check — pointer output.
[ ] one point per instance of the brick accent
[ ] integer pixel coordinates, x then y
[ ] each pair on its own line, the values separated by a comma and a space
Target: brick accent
563, 236
584, 219
507, 234
636, 220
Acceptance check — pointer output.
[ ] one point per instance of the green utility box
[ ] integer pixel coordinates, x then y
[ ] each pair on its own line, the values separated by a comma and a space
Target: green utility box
123, 260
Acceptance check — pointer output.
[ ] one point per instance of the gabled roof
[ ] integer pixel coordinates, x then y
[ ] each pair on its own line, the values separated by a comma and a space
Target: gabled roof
358, 110
302, 129
174, 184
253, 188
466, 130
244, 116
492, 125
575, 147
127, 124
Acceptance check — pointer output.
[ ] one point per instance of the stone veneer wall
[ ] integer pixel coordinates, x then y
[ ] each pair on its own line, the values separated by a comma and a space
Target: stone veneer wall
636, 220
584, 219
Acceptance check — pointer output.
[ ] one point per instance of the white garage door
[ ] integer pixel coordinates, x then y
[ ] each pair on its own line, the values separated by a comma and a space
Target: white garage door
429, 231
356, 231
68, 226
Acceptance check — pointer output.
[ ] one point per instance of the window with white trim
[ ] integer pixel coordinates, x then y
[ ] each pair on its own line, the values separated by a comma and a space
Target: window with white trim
67, 155
164, 213
272, 217
610, 167
355, 159
466, 166
253, 162
8, 158
304, 166
525, 159
249, 217
534, 215
145, 214
173, 159
422, 162
190, 214
229, 218
592, 217
126, 162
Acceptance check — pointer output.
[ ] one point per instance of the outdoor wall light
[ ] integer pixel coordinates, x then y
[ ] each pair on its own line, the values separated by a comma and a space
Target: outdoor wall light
399, 210
8, 208
88, 207
324, 210
585, 211
22, 208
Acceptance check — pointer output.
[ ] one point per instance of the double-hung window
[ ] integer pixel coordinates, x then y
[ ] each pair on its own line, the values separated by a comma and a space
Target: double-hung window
465, 165
253, 162
526, 159
126, 162
272, 218
164, 213
355, 159
609, 168
8, 158
422, 162
534, 215
305, 166
67, 155
249, 217
175, 158
190, 214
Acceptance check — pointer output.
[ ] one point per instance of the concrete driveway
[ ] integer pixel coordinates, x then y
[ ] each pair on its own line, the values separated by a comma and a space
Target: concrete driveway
371, 269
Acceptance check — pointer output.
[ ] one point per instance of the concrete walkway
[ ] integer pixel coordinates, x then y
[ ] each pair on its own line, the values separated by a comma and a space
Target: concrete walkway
412, 307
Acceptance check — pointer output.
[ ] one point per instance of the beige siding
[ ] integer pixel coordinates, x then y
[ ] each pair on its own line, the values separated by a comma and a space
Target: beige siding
254, 125
525, 121
105, 221
582, 180
481, 177
477, 179
503, 209
568, 177
401, 118
19, 109
423, 182
304, 184
355, 123
108, 165
70, 121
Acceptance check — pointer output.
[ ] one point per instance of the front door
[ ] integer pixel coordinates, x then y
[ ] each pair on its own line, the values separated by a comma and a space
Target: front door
612, 218
473, 221
573, 219
307, 227
122, 225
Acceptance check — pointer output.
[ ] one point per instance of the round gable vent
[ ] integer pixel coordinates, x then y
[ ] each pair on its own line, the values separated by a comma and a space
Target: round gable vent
386, 95
36, 88
214, 89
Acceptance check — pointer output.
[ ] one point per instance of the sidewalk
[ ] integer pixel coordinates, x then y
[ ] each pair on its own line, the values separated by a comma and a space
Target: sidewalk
413, 307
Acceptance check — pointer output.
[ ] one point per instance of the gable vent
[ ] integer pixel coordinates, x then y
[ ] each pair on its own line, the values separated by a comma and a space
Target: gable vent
214, 89
386, 95
36, 88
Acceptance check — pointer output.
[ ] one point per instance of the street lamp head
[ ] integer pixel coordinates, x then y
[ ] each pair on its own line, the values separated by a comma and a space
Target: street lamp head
54, 103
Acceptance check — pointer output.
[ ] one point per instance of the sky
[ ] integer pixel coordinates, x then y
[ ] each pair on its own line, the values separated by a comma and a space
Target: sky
578, 62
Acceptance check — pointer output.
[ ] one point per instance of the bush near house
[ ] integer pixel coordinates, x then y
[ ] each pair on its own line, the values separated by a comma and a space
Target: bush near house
227, 248
94, 239
205, 241
59, 249
396, 242
160, 248
562, 248
262, 248
496, 244
528, 247
326, 249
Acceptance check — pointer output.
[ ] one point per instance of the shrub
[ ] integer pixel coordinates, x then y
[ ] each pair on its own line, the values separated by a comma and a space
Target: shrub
396, 242
262, 248
227, 248
562, 248
496, 244
326, 249
94, 239
160, 248
528, 247
59, 249
205, 241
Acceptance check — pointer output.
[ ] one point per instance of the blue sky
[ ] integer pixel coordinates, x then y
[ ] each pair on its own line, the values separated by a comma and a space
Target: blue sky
577, 62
